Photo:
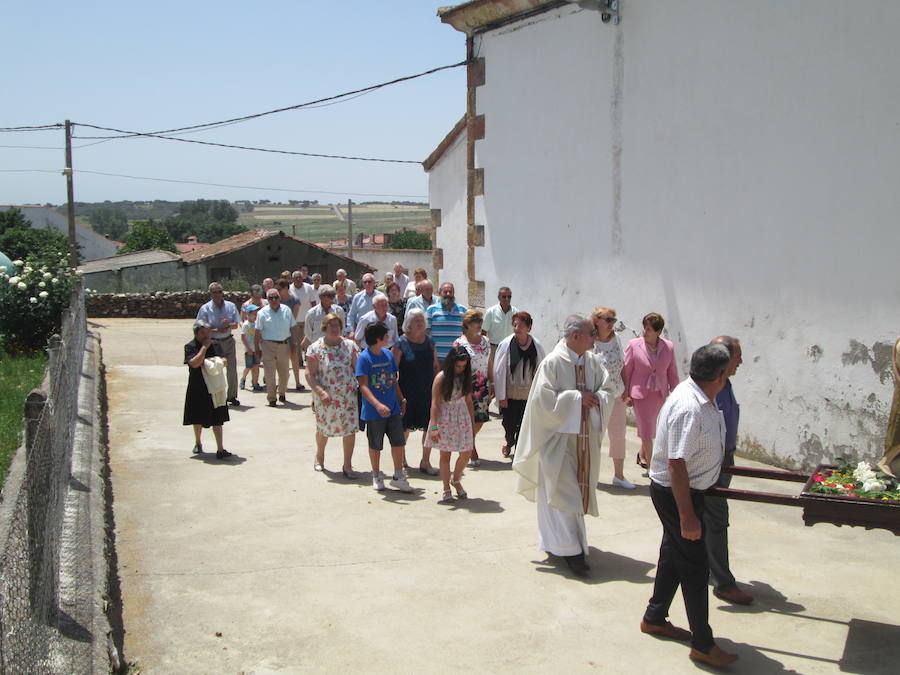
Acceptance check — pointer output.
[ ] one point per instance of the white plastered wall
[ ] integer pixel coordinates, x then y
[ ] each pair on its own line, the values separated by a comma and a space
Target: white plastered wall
447, 192
760, 158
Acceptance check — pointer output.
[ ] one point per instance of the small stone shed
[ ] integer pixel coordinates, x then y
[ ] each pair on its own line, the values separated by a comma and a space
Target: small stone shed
248, 256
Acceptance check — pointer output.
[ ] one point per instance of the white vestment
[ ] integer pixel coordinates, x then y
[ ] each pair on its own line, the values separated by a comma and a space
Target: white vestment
546, 458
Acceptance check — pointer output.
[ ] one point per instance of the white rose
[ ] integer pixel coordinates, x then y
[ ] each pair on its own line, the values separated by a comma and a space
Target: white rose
21, 286
33, 301
41, 284
3, 269
18, 263
47, 275
27, 270
873, 485
43, 294
54, 280
13, 280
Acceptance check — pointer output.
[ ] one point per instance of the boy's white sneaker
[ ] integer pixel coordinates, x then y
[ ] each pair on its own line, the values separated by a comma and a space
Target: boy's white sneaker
401, 484
378, 481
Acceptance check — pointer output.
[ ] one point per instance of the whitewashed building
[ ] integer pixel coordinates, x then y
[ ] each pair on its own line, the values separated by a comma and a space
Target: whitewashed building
91, 245
733, 166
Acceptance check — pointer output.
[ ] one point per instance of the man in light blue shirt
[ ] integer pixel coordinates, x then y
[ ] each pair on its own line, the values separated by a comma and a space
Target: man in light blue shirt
223, 317
276, 336
424, 299
362, 302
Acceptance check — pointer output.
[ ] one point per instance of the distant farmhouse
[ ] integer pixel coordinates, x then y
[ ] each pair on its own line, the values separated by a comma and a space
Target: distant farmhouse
248, 256
92, 245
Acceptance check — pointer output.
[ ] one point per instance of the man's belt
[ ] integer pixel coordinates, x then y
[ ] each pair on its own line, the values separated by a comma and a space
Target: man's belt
280, 342
220, 339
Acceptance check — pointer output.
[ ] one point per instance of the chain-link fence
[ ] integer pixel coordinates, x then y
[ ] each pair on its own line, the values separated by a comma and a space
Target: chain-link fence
32, 625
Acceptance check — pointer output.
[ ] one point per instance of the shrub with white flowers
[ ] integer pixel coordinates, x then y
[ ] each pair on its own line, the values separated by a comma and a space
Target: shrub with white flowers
33, 296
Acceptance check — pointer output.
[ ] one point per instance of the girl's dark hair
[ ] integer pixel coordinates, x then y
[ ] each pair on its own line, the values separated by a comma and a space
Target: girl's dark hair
449, 370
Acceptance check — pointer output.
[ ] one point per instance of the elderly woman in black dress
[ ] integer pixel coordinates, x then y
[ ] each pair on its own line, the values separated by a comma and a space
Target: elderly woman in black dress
416, 358
199, 409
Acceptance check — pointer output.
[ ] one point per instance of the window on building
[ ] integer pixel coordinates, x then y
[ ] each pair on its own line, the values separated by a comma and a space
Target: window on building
219, 274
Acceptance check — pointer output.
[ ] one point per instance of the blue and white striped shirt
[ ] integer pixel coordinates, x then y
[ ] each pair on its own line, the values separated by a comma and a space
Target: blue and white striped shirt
444, 326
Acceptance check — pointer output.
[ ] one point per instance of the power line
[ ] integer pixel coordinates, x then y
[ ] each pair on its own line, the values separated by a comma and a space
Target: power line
41, 127
298, 106
225, 185
50, 147
245, 147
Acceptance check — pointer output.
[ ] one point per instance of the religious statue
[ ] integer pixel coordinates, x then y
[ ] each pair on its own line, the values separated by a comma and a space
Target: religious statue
890, 463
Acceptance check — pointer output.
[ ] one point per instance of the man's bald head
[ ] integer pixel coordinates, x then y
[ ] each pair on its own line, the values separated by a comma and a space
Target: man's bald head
733, 345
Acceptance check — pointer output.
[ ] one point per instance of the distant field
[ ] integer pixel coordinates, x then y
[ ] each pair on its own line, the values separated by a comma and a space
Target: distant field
319, 223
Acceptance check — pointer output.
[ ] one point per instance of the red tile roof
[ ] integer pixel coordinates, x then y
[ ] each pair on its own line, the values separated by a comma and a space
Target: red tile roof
245, 239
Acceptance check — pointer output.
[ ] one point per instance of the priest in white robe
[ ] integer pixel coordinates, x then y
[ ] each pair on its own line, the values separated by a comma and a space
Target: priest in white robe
558, 456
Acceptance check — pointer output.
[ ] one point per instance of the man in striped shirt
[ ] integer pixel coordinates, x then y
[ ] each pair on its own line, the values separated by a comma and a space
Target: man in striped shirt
445, 321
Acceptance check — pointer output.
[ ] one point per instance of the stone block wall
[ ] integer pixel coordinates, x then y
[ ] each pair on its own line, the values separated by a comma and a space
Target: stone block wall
158, 305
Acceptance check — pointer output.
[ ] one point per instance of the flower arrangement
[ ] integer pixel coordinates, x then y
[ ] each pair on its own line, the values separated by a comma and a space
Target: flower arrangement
33, 296
862, 481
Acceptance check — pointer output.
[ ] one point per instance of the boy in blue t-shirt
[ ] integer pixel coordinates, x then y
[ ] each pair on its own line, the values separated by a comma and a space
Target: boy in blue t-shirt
382, 405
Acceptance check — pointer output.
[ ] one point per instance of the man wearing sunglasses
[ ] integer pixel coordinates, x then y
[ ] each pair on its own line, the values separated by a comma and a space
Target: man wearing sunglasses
498, 318
276, 335
222, 317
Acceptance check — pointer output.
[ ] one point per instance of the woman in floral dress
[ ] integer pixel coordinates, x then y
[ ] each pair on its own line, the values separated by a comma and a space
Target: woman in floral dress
479, 349
452, 418
330, 371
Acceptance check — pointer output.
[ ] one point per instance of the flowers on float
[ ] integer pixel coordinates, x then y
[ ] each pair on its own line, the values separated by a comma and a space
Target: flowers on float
13, 281
21, 286
41, 284
47, 275
862, 481
18, 263
43, 294
33, 301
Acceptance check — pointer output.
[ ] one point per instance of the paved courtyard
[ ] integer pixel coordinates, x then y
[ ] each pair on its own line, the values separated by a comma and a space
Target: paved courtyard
261, 565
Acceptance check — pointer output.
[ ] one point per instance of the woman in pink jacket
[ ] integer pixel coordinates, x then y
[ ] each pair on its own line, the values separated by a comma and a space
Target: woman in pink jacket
649, 375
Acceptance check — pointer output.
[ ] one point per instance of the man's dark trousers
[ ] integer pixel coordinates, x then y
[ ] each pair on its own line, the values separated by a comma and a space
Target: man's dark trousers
683, 562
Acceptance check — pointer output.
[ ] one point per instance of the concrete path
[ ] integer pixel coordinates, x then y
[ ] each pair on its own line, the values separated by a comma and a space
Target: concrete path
263, 566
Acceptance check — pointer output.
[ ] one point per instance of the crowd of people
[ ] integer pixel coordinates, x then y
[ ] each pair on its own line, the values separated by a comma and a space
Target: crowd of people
391, 359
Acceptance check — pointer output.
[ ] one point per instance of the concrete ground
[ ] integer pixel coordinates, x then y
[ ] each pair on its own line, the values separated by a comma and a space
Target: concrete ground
261, 565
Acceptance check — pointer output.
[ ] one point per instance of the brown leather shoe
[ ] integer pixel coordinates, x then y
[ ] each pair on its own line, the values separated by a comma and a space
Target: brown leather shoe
715, 657
734, 595
667, 630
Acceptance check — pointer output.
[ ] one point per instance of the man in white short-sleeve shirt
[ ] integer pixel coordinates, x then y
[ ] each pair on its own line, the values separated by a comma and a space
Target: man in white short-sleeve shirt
690, 446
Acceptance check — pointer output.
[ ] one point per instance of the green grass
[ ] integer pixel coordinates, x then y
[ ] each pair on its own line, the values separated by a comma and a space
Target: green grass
18, 376
318, 223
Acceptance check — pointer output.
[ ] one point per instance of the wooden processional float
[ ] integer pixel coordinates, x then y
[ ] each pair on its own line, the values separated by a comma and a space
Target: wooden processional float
817, 508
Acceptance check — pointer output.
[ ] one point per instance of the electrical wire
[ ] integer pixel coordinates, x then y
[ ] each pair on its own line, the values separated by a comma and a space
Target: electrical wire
308, 104
41, 127
225, 185
247, 147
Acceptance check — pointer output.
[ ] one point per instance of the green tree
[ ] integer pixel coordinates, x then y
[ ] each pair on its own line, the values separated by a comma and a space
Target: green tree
109, 221
209, 220
410, 239
147, 234
19, 241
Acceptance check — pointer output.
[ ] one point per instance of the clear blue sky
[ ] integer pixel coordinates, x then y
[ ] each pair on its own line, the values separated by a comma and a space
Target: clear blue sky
145, 67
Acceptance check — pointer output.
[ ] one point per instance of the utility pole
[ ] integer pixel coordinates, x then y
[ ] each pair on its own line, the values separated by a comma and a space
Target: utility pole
70, 194
349, 228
